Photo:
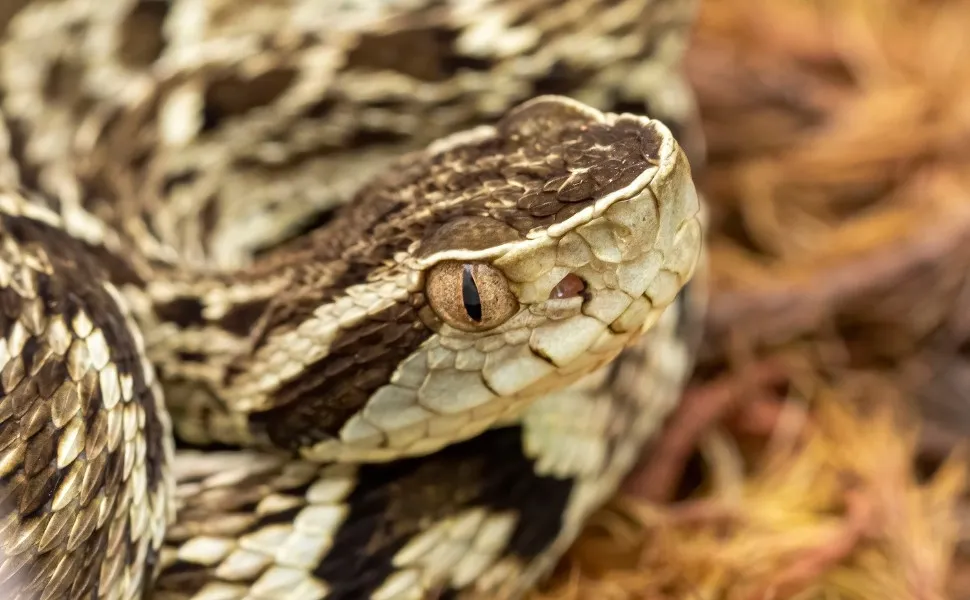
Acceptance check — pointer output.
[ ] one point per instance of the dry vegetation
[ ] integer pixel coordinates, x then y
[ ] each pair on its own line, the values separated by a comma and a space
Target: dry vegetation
817, 454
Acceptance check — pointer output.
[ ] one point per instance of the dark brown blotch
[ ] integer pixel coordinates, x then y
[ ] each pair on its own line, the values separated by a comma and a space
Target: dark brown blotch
316, 405
184, 312
39, 453
184, 578
562, 78
192, 357
17, 138
241, 318
394, 501
174, 180
72, 254
142, 38
233, 95
51, 374
11, 303
63, 80
426, 53
38, 490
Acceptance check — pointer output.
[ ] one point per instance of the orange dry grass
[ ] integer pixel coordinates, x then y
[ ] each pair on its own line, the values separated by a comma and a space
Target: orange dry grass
838, 516
839, 136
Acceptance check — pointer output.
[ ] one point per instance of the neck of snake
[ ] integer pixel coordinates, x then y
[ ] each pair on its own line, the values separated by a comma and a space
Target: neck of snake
310, 300
202, 324
293, 345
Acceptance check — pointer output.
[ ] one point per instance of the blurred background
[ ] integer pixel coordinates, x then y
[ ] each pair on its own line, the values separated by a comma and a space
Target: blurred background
818, 452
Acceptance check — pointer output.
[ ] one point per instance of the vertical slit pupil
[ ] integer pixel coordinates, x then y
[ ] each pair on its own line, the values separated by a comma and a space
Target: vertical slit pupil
469, 295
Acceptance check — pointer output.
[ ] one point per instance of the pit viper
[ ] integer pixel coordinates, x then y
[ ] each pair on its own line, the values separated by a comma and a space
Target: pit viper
334, 299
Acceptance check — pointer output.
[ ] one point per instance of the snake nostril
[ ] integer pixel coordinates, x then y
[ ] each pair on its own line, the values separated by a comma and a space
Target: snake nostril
571, 286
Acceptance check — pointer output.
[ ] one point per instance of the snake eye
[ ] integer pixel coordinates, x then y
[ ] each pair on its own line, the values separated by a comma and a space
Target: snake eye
470, 296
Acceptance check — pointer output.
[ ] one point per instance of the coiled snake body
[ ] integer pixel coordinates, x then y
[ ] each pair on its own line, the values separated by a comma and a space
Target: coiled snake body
410, 304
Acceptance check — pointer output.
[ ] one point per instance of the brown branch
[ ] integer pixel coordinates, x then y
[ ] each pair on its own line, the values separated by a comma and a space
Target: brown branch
756, 417
701, 407
701, 511
812, 565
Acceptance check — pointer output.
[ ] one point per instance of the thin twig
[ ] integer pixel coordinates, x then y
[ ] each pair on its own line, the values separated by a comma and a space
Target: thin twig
813, 564
700, 408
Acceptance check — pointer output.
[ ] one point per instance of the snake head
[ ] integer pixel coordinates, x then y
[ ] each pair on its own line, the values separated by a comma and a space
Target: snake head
579, 230
502, 264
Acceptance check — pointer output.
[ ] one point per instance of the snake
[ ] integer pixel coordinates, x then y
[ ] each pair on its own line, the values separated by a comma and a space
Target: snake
335, 299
